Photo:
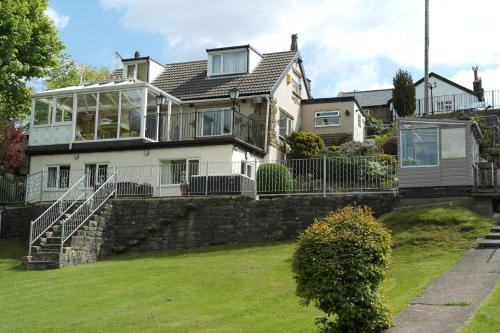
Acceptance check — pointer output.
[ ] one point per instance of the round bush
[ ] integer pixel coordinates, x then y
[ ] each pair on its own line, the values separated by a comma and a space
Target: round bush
390, 146
274, 178
305, 145
339, 264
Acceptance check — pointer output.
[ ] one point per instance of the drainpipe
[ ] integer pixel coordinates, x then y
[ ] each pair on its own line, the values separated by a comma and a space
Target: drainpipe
267, 124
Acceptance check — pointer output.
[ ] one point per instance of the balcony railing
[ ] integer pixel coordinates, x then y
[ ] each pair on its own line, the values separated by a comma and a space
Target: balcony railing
458, 102
201, 124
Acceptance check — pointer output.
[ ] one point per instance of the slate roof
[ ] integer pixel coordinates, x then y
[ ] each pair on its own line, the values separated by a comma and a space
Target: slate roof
189, 81
370, 97
117, 74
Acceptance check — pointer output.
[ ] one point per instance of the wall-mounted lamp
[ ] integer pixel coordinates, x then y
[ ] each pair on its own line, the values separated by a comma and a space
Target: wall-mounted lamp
76, 156
190, 105
234, 94
161, 100
347, 113
146, 152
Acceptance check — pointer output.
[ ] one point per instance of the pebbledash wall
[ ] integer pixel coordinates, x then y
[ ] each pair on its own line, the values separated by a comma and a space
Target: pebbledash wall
156, 223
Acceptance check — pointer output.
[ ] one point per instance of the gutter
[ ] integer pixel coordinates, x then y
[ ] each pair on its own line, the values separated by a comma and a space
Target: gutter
220, 99
267, 124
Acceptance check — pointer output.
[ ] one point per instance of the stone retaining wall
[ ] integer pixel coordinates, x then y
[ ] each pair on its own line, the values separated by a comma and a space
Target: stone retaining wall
16, 220
154, 224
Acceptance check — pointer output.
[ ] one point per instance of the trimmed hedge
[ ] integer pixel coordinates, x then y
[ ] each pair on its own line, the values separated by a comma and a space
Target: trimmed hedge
339, 264
274, 178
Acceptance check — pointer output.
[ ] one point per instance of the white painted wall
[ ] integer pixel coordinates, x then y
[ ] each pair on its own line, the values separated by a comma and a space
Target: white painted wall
155, 69
443, 92
254, 59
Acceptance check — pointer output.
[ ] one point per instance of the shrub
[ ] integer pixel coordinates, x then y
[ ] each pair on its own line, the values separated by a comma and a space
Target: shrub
274, 178
351, 148
390, 146
305, 145
374, 126
339, 264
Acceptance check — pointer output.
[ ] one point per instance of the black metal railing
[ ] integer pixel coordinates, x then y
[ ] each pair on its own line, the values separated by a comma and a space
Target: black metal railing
458, 102
203, 124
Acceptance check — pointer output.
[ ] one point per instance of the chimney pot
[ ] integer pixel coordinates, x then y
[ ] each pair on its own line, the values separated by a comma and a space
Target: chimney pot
137, 54
294, 46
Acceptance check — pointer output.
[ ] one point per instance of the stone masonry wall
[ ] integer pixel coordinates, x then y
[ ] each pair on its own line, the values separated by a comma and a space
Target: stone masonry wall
16, 220
154, 224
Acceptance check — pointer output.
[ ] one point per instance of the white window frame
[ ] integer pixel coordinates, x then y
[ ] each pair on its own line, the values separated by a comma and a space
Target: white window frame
96, 175
438, 148
186, 160
325, 114
200, 113
136, 68
296, 84
54, 110
446, 105
58, 177
289, 124
247, 169
221, 69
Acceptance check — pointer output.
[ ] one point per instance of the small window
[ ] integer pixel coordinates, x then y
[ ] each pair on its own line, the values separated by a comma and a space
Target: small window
419, 147
453, 143
58, 176
97, 174
297, 84
246, 169
131, 71
229, 62
444, 105
326, 118
286, 124
142, 71
360, 121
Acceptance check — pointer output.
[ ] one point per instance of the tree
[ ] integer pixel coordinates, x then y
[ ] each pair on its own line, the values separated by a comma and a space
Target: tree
339, 264
12, 147
67, 73
29, 46
403, 96
305, 145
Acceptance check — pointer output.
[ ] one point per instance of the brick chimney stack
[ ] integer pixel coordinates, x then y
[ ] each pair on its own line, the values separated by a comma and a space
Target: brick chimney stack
477, 85
294, 46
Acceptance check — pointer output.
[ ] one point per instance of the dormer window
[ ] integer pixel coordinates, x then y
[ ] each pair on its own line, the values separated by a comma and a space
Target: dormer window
230, 62
138, 70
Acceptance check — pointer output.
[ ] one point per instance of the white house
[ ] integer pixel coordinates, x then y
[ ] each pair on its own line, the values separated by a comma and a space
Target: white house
444, 95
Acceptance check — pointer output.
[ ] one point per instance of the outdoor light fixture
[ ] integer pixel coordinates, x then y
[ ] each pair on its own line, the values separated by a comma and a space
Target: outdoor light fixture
161, 100
76, 156
347, 113
234, 94
146, 152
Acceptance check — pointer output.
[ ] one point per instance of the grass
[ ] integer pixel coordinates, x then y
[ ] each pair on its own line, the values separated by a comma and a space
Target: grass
487, 318
233, 288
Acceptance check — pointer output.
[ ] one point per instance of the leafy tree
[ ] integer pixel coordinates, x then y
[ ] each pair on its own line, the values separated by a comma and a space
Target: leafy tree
67, 73
305, 145
403, 96
29, 46
374, 126
12, 147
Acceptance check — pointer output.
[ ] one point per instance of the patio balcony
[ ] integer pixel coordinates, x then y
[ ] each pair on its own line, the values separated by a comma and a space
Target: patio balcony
203, 124
458, 102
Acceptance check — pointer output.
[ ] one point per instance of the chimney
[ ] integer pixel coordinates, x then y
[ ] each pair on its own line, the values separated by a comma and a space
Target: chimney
293, 46
477, 85
137, 54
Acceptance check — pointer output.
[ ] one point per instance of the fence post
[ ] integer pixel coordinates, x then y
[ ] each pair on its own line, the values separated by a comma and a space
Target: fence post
255, 179
31, 238
324, 176
115, 174
206, 178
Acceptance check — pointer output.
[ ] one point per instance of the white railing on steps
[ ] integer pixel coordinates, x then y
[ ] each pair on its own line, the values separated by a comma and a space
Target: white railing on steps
70, 225
39, 226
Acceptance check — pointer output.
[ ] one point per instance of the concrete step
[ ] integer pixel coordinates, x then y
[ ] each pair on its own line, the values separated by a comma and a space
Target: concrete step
33, 265
47, 255
489, 244
495, 228
53, 240
493, 235
50, 247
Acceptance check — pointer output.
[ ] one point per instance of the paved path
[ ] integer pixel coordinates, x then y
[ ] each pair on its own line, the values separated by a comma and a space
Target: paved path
450, 301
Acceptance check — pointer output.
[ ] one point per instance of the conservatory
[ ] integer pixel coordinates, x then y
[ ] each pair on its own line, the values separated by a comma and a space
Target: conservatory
112, 110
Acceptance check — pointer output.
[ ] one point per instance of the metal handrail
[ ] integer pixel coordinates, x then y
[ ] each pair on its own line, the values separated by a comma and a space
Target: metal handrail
47, 219
87, 208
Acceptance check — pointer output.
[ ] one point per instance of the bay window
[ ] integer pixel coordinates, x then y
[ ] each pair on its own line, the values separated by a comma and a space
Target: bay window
419, 147
296, 84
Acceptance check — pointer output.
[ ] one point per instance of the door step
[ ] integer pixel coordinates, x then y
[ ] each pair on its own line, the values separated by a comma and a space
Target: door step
489, 244
493, 235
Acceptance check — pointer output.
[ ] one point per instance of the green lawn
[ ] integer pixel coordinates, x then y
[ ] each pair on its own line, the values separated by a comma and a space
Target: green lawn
218, 289
487, 318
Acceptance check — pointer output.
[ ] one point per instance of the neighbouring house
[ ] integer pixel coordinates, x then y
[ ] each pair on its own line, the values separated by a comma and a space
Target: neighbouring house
437, 157
376, 103
447, 96
336, 119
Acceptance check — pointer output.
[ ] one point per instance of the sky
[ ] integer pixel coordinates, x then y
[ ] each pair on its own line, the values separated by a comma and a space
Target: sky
345, 45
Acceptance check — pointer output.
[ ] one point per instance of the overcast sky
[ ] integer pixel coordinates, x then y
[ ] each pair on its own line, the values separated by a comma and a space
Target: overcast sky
346, 45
